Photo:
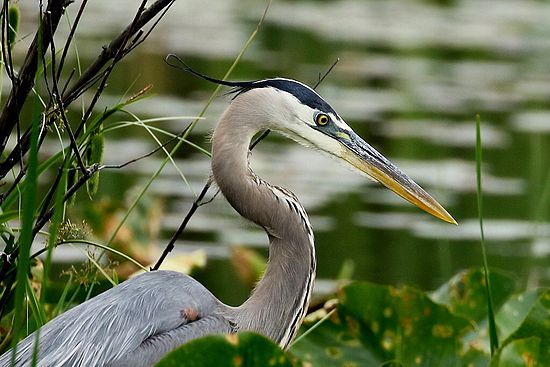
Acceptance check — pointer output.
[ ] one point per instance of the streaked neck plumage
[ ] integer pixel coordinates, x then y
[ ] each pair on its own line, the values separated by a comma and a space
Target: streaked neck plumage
279, 302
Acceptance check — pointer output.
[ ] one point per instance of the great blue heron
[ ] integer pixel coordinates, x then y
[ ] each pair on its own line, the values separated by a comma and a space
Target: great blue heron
145, 317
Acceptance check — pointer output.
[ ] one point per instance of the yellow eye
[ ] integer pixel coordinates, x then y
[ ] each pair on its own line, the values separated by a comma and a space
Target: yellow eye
322, 119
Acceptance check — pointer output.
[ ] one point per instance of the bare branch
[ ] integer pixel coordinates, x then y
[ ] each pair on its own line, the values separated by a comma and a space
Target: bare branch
57, 101
91, 75
109, 52
183, 224
23, 83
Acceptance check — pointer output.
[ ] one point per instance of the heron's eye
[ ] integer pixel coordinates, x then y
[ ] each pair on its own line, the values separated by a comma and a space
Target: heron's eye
321, 119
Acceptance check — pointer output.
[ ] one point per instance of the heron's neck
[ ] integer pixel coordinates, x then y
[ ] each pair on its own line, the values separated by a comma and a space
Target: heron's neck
279, 302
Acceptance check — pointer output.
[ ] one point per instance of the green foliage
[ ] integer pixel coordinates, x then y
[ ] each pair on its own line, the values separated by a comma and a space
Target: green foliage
530, 342
27, 219
94, 155
239, 350
334, 344
13, 23
386, 326
43, 183
403, 324
464, 293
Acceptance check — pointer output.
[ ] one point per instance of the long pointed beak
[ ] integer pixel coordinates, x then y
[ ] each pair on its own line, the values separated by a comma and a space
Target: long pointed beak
366, 159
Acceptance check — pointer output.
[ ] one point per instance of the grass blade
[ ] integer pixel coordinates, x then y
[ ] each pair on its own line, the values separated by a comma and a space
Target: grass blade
26, 236
36, 308
55, 223
493, 336
313, 327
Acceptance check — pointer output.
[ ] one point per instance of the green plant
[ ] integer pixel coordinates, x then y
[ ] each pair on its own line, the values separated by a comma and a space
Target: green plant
37, 188
378, 325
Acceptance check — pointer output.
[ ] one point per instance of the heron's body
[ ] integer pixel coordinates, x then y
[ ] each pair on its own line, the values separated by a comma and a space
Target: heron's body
142, 319
129, 325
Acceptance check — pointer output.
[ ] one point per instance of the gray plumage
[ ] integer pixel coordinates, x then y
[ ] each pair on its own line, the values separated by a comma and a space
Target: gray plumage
137, 322
123, 323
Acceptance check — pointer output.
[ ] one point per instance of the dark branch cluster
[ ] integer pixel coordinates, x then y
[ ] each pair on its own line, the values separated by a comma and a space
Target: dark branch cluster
47, 63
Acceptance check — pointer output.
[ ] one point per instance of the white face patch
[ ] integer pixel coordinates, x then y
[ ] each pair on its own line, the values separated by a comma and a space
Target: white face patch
339, 122
298, 112
288, 115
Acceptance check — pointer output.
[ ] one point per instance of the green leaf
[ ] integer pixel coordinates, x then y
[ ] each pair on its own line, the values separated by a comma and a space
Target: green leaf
508, 319
236, 350
385, 326
403, 325
493, 336
13, 23
520, 353
465, 293
536, 324
30, 198
474, 357
8, 215
334, 344
512, 314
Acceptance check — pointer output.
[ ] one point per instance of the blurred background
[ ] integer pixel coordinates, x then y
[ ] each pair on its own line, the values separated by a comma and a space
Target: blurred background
411, 78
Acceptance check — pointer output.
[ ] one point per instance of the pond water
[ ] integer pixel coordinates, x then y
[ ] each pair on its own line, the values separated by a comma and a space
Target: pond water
411, 78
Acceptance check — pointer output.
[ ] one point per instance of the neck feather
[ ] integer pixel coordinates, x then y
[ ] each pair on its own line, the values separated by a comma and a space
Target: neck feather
278, 304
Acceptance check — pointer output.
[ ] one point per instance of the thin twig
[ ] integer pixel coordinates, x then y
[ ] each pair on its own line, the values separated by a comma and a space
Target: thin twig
164, 145
321, 78
142, 37
93, 169
13, 157
183, 224
112, 50
6, 45
69, 78
70, 38
57, 101
119, 52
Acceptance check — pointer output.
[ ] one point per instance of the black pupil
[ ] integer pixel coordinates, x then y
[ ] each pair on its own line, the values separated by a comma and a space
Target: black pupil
323, 119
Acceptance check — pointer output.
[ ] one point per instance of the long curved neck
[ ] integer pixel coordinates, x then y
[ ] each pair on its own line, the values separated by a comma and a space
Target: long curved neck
278, 304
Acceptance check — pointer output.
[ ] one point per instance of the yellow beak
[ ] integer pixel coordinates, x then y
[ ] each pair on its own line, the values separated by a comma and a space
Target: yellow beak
366, 159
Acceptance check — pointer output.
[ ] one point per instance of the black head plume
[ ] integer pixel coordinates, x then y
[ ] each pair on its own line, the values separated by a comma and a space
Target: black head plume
302, 92
239, 87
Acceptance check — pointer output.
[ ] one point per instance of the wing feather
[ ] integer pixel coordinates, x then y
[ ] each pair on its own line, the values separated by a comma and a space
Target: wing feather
117, 322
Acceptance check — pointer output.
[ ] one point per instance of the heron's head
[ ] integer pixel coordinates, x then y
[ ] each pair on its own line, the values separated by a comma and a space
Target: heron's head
298, 112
